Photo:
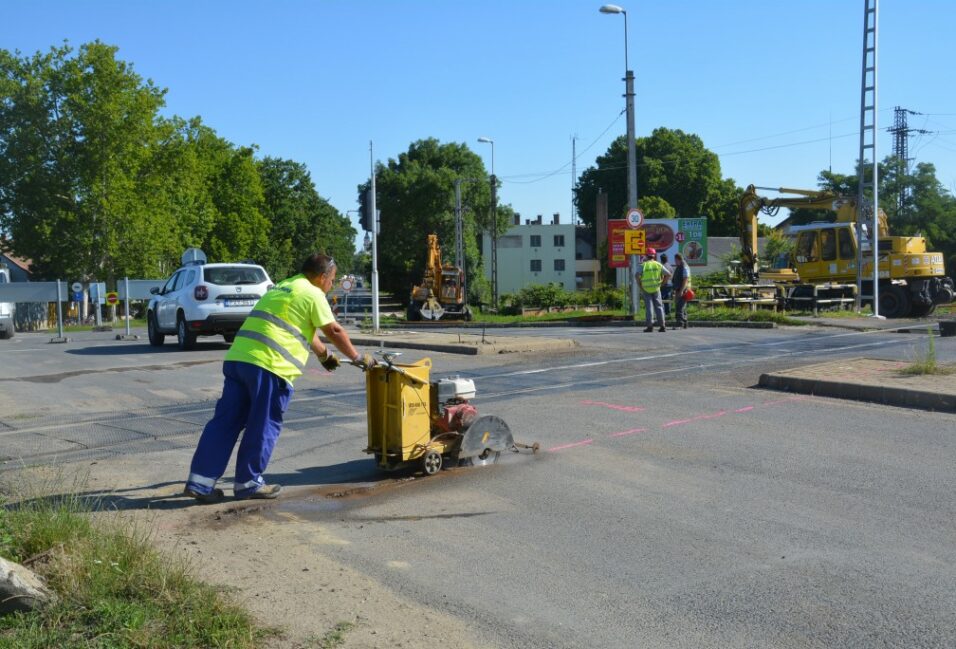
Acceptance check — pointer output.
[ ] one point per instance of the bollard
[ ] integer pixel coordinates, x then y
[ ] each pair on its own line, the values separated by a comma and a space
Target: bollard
947, 328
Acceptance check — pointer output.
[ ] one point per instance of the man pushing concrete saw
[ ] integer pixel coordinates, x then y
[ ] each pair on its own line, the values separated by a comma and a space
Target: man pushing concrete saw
270, 351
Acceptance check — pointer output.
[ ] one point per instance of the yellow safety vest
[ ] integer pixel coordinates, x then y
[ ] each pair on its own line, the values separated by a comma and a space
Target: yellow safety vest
651, 276
277, 333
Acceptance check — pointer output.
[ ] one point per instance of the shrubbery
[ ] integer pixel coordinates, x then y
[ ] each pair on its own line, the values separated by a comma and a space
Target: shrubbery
543, 296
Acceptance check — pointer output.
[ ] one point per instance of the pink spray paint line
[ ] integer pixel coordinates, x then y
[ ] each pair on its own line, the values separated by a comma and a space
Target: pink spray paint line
583, 442
612, 406
744, 409
678, 422
632, 431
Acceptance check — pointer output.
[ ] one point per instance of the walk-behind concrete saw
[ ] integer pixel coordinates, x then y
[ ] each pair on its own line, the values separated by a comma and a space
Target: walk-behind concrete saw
413, 420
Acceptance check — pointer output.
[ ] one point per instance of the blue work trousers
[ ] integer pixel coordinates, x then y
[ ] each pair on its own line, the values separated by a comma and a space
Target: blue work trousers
254, 399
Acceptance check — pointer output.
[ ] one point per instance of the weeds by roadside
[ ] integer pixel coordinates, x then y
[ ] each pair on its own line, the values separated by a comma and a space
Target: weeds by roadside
926, 363
113, 589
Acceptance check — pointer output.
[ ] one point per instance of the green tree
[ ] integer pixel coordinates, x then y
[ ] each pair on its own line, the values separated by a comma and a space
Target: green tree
671, 165
302, 222
416, 195
655, 207
75, 135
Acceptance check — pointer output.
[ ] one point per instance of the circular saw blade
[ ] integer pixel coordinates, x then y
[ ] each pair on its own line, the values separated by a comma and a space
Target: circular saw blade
487, 433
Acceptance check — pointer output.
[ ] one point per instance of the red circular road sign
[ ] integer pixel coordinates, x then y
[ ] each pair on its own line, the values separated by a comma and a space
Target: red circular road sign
634, 218
112, 297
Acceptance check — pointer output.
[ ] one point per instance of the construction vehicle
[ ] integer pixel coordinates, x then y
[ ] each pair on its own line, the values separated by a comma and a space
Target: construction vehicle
8, 310
912, 280
432, 424
441, 294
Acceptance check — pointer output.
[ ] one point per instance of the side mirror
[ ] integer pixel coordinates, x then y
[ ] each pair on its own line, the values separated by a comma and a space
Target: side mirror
154, 290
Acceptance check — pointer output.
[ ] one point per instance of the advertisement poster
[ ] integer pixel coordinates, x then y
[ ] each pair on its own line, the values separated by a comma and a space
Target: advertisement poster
670, 236
615, 243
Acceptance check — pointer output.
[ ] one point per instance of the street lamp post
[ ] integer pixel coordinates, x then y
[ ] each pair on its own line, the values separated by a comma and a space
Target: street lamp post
494, 224
631, 147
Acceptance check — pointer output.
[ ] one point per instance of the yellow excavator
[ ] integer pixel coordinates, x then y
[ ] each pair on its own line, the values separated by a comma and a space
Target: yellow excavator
441, 295
912, 280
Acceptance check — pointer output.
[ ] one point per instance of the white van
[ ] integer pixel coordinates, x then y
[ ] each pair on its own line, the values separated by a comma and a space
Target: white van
7, 309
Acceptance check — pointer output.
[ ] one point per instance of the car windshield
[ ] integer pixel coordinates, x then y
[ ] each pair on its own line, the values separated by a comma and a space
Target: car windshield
231, 275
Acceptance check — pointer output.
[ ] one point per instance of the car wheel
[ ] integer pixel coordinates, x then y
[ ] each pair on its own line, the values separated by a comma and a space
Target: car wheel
185, 338
229, 337
156, 338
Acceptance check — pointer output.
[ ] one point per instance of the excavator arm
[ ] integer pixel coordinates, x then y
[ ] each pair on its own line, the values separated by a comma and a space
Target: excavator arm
751, 204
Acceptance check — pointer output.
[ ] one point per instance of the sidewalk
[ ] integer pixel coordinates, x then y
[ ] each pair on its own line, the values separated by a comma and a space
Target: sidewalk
868, 379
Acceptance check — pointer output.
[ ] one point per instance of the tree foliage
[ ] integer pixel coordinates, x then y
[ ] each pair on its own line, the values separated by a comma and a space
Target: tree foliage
95, 184
672, 166
301, 220
416, 197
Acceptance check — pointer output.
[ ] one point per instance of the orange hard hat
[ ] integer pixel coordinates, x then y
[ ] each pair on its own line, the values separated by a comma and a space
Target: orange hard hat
689, 295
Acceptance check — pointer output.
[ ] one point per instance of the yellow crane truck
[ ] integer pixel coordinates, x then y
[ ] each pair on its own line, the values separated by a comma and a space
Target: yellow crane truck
912, 280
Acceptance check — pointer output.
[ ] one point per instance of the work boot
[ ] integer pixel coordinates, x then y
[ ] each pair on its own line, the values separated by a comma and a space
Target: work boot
685, 325
214, 496
265, 492
663, 328
647, 329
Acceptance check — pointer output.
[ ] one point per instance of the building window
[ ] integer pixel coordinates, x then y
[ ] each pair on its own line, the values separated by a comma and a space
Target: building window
559, 241
535, 240
558, 264
535, 265
510, 241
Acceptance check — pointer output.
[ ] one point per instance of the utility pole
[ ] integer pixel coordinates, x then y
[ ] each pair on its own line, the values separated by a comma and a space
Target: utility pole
373, 212
868, 115
901, 133
574, 178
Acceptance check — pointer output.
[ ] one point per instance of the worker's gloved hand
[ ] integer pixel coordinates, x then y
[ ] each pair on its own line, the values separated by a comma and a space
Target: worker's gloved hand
365, 362
330, 362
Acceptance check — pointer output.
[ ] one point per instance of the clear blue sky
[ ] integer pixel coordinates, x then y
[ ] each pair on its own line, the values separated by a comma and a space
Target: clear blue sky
772, 87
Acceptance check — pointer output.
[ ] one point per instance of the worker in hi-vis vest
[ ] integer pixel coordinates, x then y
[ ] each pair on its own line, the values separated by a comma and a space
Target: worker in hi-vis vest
651, 275
269, 352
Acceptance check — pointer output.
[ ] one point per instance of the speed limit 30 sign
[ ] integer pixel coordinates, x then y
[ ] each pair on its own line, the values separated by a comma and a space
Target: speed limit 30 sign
634, 218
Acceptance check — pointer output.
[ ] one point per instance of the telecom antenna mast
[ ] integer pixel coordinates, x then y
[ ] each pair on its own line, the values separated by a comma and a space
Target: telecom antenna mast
868, 198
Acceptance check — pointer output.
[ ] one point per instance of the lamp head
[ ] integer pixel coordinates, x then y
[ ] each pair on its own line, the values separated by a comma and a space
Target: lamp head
612, 9
486, 140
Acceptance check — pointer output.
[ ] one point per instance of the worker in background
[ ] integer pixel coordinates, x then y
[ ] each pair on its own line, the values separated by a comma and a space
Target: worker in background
270, 351
651, 275
681, 282
666, 287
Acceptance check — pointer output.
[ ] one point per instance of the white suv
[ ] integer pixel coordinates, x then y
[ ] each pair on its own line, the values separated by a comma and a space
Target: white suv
204, 300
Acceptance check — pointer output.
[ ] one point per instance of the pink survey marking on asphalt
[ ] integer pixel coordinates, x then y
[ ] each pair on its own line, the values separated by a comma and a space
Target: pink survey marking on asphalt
744, 409
583, 442
612, 406
787, 400
678, 422
632, 431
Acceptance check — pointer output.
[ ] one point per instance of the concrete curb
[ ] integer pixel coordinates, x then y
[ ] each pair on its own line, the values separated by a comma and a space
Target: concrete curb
890, 396
512, 345
573, 323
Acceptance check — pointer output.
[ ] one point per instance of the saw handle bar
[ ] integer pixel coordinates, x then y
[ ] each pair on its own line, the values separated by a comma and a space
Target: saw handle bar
389, 367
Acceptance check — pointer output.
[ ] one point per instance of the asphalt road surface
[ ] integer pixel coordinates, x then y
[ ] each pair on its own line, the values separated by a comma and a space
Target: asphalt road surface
672, 505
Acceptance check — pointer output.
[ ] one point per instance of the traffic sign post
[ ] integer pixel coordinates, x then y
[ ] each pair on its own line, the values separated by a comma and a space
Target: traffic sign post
112, 298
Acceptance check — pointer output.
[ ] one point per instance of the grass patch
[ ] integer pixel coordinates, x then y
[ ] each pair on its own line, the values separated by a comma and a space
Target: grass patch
728, 314
334, 638
496, 318
926, 363
113, 589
